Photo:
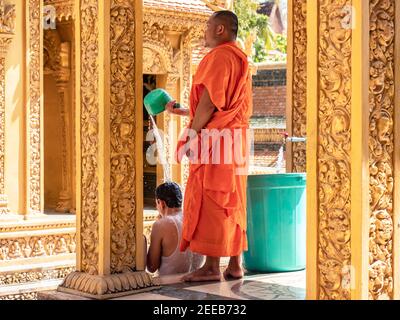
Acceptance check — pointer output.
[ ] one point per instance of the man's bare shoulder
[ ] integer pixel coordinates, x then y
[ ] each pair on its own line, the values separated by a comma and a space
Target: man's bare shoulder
162, 225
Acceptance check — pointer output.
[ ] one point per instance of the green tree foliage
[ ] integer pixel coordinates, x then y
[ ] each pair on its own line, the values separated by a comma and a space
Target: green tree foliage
254, 24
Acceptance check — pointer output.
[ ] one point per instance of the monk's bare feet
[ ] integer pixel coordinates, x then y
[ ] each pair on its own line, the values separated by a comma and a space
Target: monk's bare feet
234, 270
233, 274
203, 274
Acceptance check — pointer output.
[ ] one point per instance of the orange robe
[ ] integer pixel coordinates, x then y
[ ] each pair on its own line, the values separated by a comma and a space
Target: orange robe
214, 221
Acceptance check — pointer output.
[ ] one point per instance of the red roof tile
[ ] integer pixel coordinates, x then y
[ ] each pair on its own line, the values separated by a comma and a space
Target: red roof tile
267, 158
192, 6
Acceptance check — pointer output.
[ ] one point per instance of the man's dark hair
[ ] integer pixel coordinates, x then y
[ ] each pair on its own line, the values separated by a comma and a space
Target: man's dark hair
229, 20
171, 193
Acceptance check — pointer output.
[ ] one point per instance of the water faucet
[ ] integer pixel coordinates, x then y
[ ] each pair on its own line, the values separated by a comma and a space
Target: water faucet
286, 138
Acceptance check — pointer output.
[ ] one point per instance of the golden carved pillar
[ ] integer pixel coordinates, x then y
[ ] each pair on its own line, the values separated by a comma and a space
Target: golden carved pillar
62, 76
352, 137
34, 83
7, 18
110, 256
171, 128
185, 93
296, 84
384, 164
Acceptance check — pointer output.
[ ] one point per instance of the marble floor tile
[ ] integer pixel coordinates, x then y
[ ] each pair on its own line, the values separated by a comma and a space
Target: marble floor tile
273, 286
146, 296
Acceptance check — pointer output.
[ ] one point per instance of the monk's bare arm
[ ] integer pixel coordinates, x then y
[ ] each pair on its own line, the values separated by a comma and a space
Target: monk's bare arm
204, 112
178, 111
155, 250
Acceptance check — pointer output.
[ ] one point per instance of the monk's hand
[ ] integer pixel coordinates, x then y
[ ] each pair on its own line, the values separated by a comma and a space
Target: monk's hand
181, 150
170, 107
190, 149
189, 145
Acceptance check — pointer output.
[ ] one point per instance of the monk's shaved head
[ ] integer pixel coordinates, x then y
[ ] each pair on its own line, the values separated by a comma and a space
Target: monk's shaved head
229, 20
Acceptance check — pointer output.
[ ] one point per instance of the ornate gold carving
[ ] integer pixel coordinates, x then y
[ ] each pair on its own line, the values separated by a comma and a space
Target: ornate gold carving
56, 61
64, 8
186, 85
175, 21
64, 201
159, 57
123, 173
103, 287
148, 221
20, 296
3, 198
5, 41
51, 51
168, 124
36, 246
7, 18
153, 63
34, 119
299, 92
381, 148
33, 276
89, 71
158, 53
73, 112
334, 150
62, 76
34, 227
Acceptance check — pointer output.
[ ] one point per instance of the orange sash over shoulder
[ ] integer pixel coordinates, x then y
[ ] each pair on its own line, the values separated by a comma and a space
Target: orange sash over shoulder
215, 196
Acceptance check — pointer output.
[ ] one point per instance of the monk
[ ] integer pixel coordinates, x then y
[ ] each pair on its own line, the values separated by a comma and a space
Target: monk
214, 222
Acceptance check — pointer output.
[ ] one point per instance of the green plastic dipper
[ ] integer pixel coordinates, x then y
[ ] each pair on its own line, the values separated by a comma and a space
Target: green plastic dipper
156, 100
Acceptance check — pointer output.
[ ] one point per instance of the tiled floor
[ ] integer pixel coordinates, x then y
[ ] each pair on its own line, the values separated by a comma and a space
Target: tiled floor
274, 286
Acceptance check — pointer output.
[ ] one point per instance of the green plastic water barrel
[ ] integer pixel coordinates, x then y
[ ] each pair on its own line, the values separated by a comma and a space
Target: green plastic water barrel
276, 222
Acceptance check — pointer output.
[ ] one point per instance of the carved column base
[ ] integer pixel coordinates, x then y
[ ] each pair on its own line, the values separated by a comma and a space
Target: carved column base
64, 202
110, 286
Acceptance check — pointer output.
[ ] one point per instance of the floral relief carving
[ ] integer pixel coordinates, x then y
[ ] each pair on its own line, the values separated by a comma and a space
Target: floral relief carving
20, 296
153, 62
333, 151
381, 148
64, 8
89, 135
51, 51
187, 66
7, 17
123, 173
31, 276
37, 246
299, 89
3, 200
34, 120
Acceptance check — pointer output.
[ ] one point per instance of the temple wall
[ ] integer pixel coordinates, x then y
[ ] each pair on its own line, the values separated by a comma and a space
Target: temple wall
15, 102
